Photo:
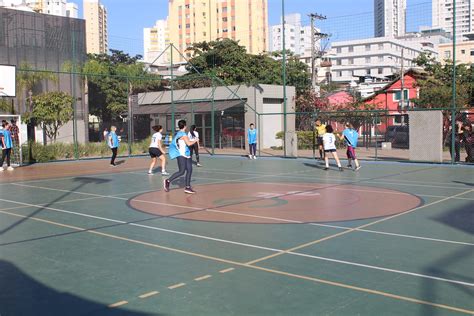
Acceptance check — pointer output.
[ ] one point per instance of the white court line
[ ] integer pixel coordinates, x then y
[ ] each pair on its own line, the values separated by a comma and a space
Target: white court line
383, 269
230, 212
276, 250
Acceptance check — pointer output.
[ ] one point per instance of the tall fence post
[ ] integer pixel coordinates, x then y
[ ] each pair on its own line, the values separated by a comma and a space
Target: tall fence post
74, 112
213, 129
453, 109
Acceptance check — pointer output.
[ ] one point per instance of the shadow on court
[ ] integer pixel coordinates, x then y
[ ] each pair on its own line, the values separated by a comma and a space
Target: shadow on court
83, 181
23, 295
461, 218
470, 184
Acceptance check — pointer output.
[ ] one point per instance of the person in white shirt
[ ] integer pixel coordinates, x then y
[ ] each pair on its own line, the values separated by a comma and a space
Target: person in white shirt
329, 142
156, 150
193, 135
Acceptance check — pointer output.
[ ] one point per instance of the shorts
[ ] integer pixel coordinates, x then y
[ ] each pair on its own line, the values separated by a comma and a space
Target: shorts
351, 154
319, 141
330, 151
154, 152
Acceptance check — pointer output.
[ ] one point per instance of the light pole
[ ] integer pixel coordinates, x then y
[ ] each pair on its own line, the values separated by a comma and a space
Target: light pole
284, 76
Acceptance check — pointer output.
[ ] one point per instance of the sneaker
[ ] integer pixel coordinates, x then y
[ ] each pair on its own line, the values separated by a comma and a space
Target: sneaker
164, 173
254, 157
349, 166
198, 164
341, 169
113, 165
1, 169
326, 168
10, 168
150, 172
250, 157
166, 185
189, 190
358, 168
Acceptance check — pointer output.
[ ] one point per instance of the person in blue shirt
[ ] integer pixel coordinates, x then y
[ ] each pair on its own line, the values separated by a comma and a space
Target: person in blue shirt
113, 142
6, 143
179, 150
350, 137
252, 137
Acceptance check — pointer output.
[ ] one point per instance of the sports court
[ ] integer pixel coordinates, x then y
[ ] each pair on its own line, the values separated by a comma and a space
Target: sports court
263, 237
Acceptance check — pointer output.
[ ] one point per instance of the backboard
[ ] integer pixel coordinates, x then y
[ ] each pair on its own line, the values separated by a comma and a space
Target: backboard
7, 81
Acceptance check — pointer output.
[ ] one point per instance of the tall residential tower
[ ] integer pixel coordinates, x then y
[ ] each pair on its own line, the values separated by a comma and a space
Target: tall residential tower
442, 12
193, 21
390, 18
95, 15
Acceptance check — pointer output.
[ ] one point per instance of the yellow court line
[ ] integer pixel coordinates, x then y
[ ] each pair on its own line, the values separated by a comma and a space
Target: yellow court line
227, 270
278, 272
146, 295
172, 287
203, 278
351, 230
118, 304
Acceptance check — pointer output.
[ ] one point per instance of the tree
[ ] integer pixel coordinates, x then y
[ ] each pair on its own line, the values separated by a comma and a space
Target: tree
436, 83
51, 110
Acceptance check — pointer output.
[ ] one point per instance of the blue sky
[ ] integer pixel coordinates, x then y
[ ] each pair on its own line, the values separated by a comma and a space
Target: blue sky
347, 19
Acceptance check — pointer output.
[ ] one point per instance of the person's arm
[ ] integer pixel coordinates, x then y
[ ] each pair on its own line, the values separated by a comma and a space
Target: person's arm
160, 146
187, 141
3, 141
110, 141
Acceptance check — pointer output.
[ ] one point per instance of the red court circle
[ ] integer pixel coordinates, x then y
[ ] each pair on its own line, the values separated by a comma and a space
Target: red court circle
270, 203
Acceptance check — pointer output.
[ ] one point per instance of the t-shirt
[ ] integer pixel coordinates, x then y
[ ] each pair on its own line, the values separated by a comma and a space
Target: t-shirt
178, 146
320, 130
193, 137
7, 139
351, 137
114, 142
155, 138
329, 141
252, 135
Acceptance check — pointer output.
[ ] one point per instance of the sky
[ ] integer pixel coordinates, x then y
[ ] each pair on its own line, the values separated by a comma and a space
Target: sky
346, 19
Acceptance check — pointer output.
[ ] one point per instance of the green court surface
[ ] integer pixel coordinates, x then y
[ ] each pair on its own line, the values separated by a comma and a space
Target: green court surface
264, 237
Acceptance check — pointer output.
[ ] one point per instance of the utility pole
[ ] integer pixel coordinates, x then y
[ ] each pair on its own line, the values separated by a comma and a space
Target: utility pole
402, 77
315, 37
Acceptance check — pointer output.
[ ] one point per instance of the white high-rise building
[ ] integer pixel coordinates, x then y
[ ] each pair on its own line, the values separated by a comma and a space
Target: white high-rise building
57, 7
390, 18
442, 16
297, 36
155, 42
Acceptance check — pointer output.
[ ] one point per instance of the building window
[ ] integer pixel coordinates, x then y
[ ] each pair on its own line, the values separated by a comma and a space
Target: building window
367, 71
380, 58
351, 49
367, 48
367, 60
339, 50
447, 54
339, 73
397, 96
224, 19
339, 62
188, 26
463, 51
351, 61
380, 71
472, 52
380, 46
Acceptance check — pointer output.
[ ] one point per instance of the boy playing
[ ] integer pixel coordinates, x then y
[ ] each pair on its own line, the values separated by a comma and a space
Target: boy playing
350, 136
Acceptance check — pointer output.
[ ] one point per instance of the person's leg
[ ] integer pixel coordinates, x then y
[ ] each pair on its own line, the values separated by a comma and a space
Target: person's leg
152, 165
181, 169
336, 157
9, 152
163, 165
4, 154
254, 149
189, 172
326, 161
191, 151
196, 152
250, 151
114, 155
457, 149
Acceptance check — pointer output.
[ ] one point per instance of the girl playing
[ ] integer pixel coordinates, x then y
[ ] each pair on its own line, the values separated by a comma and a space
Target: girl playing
156, 150
350, 136
329, 141
193, 135
113, 142
6, 144
179, 149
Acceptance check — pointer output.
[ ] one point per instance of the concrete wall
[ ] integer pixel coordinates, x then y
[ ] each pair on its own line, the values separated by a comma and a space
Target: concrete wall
426, 136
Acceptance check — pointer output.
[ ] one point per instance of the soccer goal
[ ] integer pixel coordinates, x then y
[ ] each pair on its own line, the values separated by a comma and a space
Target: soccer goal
18, 131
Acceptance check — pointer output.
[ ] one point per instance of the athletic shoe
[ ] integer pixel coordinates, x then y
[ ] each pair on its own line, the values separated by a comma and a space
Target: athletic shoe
250, 157
254, 157
341, 169
189, 190
113, 165
358, 168
326, 168
1, 169
349, 166
166, 185
150, 173
10, 168
198, 164
164, 173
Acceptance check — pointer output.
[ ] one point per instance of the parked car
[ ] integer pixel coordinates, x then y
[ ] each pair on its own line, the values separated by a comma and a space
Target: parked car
398, 135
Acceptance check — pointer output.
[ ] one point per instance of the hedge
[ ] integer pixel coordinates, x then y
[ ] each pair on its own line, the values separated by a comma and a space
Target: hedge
65, 151
305, 140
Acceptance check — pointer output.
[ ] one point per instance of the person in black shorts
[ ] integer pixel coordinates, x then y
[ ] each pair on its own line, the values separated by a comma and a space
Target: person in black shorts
156, 150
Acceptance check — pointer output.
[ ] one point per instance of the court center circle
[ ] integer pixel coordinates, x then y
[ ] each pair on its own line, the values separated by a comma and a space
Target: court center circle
276, 203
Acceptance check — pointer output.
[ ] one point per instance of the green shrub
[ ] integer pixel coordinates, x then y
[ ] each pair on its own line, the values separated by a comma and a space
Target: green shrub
305, 140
